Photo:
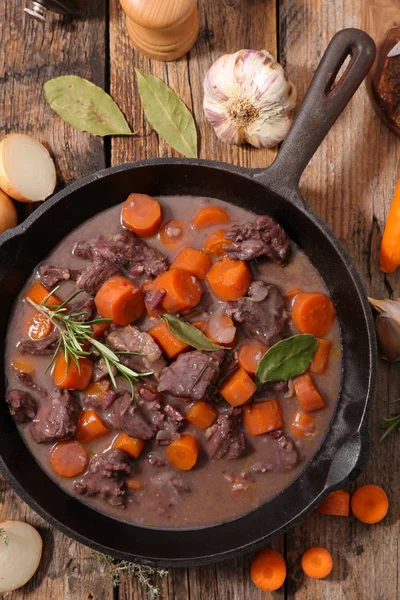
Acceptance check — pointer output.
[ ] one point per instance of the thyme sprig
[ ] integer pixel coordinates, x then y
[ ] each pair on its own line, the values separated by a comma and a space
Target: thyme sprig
74, 335
145, 574
4, 536
393, 422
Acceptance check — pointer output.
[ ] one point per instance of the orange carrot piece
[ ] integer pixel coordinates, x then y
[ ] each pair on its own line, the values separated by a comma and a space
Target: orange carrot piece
120, 300
208, 216
268, 570
313, 313
291, 294
201, 414
249, 355
238, 388
38, 326
97, 390
90, 427
70, 376
129, 445
183, 453
320, 360
141, 214
99, 329
174, 233
229, 279
263, 417
200, 325
390, 247
336, 503
134, 483
221, 330
38, 293
215, 242
303, 425
22, 365
193, 260
370, 504
307, 395
168, 342
183, 290
317, 562
69, 458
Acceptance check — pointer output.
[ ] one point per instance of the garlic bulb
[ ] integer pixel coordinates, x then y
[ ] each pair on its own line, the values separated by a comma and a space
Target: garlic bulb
248, 98
387, 325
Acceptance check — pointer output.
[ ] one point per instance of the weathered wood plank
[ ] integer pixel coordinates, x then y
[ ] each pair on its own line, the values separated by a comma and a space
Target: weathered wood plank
31, 54
349, 183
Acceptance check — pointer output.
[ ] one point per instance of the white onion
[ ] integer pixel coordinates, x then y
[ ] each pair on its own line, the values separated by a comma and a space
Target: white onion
8, 213
27, 171
20, 554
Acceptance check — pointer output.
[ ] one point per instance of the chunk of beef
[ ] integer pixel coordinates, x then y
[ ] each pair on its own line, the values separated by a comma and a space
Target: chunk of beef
125, 415
286, 454
95, 274
191, 375
50, 275
173, 422
226, 436
156, 459
23, 406
173, 413
29, 381
263, 237
87, 307
265, 319
154, 298
101, 371
83, 249
105, 477
43, 347
57, 418
131, 339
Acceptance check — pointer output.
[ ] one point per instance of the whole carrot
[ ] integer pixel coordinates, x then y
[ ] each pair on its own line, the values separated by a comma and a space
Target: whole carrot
390, 247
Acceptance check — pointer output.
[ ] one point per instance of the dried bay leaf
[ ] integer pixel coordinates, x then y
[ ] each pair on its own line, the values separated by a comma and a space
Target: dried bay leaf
85, 106
189, 334
167, 114
286, 359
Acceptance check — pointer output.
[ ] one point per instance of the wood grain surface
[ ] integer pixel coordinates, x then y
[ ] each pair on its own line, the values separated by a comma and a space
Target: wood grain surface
349, 182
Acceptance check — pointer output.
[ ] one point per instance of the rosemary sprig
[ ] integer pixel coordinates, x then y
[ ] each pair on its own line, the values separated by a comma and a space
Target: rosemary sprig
393, 422
4, 536
75, 333
145, 574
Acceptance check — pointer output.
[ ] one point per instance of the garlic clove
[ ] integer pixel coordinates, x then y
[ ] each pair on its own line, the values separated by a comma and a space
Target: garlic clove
248, 98
388, 334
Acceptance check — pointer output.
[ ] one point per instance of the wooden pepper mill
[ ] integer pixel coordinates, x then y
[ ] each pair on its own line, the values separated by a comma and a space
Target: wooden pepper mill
162, 29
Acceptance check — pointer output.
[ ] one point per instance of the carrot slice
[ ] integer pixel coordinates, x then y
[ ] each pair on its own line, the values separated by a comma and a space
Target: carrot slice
200, 325
317, 562
120, 300
90, 427
313, 313
183, 290
221, 330
370, 504
183, 453
390, 247
215, 242
193, 260
97, 390
208, 216
141, 214
99, 329
38, 326
307, 395
320, 360
70, 376
22, 365
303, 425
38, 293
129, 445
336, 503
69, 458
268, 570
134, 483
201, 414
249, 355
238, 388
229, 279
174, 233
168, 342
263, 417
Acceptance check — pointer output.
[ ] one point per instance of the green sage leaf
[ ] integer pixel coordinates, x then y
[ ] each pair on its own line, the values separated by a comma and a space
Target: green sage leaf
287, 358
167, 114
189, 334
85, 106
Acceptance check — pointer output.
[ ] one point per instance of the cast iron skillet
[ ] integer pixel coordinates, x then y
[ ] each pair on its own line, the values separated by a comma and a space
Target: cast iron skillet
275, 192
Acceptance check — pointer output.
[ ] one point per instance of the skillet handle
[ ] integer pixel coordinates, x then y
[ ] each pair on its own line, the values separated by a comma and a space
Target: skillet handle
323, 103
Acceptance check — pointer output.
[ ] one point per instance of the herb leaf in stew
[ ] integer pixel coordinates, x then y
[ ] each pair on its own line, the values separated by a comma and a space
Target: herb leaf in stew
286, 359
189, 334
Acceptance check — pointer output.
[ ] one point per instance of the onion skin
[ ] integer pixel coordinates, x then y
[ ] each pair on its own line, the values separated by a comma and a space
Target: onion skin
8, 213
20, 553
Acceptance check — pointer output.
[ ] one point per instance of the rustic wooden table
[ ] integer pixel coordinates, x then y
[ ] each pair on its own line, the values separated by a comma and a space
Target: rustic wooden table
349, 183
